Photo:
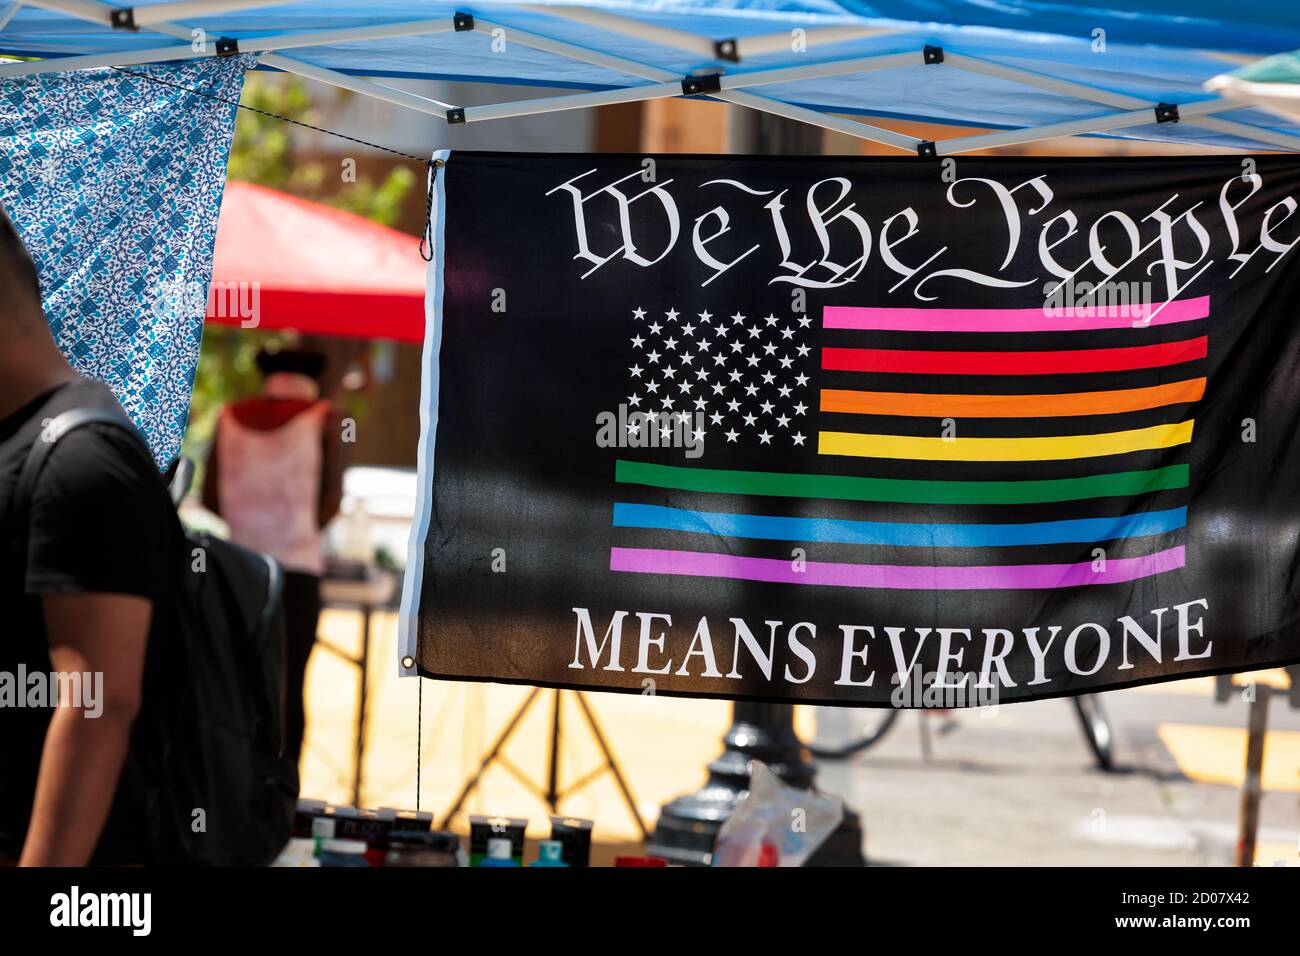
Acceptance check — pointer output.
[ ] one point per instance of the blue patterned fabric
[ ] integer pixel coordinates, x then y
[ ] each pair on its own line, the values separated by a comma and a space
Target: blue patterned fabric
115, 181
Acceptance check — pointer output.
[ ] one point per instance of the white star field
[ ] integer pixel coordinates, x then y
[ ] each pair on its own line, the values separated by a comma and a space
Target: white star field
747, 375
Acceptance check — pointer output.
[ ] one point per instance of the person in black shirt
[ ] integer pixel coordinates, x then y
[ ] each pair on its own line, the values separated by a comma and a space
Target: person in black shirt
80, 598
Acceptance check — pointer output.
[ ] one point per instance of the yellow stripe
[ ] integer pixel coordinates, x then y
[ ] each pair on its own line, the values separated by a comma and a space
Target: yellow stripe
1004, 449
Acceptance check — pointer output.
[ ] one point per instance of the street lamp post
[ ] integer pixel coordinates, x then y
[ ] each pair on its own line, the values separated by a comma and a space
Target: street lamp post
688, 826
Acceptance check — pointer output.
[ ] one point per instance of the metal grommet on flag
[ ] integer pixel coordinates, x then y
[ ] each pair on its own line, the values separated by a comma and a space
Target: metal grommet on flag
927, 149
227, 46
1167, 113
932, 54
463, 22
728, 50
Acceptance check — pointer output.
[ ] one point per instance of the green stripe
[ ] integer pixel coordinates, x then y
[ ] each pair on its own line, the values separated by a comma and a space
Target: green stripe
782, 485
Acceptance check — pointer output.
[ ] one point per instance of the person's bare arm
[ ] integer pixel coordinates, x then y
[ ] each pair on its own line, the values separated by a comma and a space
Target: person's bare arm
333, 462
83, 755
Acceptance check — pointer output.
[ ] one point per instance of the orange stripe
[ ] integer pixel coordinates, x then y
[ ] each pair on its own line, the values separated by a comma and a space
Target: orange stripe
1011, 406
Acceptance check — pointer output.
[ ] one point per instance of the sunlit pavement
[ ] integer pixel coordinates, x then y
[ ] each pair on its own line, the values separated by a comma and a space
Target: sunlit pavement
1014, 788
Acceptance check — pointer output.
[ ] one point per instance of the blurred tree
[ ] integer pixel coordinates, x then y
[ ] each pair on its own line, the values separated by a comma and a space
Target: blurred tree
263, 152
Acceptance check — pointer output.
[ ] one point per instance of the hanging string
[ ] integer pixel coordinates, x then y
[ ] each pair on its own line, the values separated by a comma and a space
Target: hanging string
426, 237
419, 731
267, 113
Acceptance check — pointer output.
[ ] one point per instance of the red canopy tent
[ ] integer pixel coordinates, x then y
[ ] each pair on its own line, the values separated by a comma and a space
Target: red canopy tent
315, 269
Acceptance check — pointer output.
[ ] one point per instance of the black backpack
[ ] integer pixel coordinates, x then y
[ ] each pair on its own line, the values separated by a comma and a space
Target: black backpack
205, 756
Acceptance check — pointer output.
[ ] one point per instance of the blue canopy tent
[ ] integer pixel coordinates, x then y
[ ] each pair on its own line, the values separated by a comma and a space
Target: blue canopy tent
1026, 69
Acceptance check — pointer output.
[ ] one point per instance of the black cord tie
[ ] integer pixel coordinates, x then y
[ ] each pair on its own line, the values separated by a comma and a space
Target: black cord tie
426, 239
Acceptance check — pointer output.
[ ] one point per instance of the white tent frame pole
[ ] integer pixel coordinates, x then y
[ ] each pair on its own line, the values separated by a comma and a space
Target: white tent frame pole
752, 101
664, 83
10, 12
180, 9
742, 47
670, 88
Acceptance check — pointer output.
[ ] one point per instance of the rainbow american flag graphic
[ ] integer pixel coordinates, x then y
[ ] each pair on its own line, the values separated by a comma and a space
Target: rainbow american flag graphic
943, 416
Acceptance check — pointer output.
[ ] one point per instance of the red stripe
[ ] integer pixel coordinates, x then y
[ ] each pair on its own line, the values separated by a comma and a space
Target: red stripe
1013, 363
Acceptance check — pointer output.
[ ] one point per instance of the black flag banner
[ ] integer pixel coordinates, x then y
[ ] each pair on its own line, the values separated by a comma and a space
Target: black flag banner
845, 430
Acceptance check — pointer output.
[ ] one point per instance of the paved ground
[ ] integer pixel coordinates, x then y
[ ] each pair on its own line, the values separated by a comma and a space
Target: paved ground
1016, 788
1020, 787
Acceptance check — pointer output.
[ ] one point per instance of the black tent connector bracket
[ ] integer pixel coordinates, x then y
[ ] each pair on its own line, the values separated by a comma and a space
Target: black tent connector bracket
455, 115
1167, 113
932, 54
702, 85
463, 22
728, 50
227, 46
926, 149
122, 18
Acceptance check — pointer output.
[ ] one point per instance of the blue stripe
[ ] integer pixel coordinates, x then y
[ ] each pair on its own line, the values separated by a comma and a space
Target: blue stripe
894, 533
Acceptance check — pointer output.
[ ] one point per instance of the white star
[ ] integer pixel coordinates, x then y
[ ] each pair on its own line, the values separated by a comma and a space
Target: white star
721, 330
782, 420
706, 316
715, 419
698, 434
733, 405
684, 387
734, 375
753, 333
798, 438
701, 374
800, 408
752, 360
670, 343
653, 356
672, 315
699, 404
687, 358
637, 341
736, 346
633, 428
768, 378
666, 432
785, 391
751, 389
638, 314
731, 435
737, 318
719, 360
655, 328
636, 371
769, 349
670, 372
786, 361
750, 419
801, 379
787, 333
717, 388
634, 399
652, 386
765, 438
703, 345
767, 408
803, 351
804, 321
688, 329
683, 417
771, 319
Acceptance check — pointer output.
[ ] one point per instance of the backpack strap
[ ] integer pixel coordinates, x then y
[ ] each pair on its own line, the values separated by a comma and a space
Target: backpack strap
55, 430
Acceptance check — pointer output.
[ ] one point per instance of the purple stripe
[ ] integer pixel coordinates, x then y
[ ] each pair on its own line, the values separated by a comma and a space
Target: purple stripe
1080, 318
706, 564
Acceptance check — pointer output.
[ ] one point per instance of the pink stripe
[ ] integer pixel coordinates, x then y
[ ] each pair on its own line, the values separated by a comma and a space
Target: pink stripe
1015, 320
706, 564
